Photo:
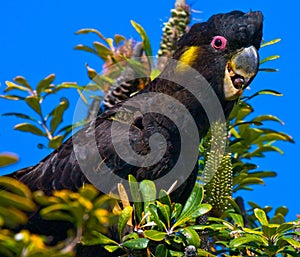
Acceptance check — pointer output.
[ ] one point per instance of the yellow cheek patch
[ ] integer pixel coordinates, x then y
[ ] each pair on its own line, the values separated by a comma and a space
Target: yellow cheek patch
187, 59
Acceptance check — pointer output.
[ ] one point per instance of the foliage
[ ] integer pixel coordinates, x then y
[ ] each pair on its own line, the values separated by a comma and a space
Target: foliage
211, 223
40, 124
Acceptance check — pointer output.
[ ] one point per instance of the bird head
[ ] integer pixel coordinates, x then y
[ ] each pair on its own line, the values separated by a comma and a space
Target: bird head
224, 50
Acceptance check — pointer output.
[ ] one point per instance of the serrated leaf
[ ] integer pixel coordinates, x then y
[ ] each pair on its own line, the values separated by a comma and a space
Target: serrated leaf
261, 216
123, 219
33, 102
44, 84
146, 42
136, 244
55, 142
155, 235
27, 127
57, 114
8, 159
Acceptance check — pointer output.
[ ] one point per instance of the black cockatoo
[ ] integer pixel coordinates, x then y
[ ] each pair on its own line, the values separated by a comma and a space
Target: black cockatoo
223, 60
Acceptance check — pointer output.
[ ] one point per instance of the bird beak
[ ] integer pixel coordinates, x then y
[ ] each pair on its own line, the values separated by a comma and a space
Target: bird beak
240, 71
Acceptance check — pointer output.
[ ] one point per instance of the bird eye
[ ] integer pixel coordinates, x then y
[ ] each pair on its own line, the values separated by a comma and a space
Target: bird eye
219, 42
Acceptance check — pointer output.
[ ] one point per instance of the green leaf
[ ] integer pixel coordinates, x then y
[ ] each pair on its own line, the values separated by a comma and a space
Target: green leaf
27, 127
154, 216
265, 92
85, 48
102, 51
261, 118
191, 236
21, 80
202, 252
146, 42
285, 227
118, 39
165, 211
261, 216
123, 219
148, 191
99, 239
15, 187
161, 251
269, 58
10, 86
155, 235
19, 115
291, 241
16, 201
244, 240
136, 244
269, 230
88, 30
57, 114
237, 218
268, 70
12, 97
194, 199
55, 142
12, 217
33, 102
7, 159
111, 248
164, 198
44, 84
271, 42
193, 213
136, 197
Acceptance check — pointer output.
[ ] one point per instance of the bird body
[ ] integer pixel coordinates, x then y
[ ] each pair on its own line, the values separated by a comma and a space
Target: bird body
216, 57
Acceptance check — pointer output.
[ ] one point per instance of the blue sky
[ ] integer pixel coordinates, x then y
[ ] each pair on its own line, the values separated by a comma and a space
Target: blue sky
38, 39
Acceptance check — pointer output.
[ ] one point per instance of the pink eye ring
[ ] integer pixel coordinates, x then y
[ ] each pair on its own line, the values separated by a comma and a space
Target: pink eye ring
219, 42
